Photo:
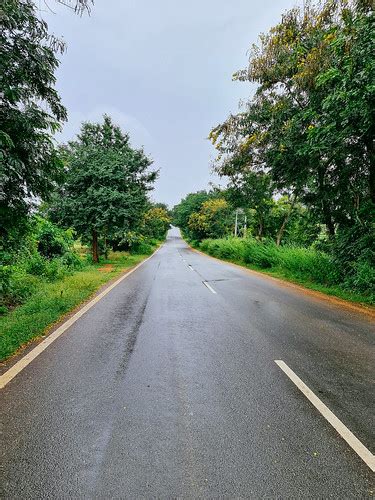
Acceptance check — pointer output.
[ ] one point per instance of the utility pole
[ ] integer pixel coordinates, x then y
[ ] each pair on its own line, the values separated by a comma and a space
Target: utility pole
236, 224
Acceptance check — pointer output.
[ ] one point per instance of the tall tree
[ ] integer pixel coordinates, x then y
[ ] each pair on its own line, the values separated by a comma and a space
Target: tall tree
310, 124
107, 181
30, 111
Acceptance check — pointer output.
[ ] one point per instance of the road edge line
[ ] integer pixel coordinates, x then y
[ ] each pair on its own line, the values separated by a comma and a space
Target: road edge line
356, 445
14, 370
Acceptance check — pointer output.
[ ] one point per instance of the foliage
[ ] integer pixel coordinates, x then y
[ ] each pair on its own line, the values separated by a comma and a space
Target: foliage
156, 222
309, 130
30, 112
214, 220
52, 241
51, 300
47, 254
304, 265
191, 203
134, 242
107, 181
262, 217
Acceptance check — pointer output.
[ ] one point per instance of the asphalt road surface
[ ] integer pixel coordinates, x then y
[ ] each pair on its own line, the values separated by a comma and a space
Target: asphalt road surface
166, 389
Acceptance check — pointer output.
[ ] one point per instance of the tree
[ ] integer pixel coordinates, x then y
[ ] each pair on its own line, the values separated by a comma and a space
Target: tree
156, 222
107, 181
79, 6
310, 125
30, 112
191, 203
214, 220
253, 190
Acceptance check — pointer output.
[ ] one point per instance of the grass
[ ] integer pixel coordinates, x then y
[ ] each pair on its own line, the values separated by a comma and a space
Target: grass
307, 267
53, 300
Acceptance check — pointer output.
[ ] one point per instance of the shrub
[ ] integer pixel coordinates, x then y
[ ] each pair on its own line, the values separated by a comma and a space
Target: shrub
52, 241
34, 264
141, 248
16, 285
362, 278
71, 260
56, 270
264, 255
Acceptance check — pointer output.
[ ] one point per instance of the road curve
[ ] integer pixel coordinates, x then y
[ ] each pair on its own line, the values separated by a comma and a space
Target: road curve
168, 387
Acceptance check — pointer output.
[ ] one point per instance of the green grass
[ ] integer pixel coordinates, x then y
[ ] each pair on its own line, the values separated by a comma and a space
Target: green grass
53, 300
304, 266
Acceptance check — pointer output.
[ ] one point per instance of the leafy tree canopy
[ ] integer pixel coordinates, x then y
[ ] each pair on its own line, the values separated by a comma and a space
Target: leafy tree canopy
191, 203
107, 181
310, 125
156, 222
30, 112
213, 220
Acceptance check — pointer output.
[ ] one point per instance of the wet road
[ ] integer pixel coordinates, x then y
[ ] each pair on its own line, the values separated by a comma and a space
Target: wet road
166, 389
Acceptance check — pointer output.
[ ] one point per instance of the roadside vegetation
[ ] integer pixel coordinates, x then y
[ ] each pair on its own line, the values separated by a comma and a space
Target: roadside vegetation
305, 266
72, 216
299, 157
306, 255
48, 300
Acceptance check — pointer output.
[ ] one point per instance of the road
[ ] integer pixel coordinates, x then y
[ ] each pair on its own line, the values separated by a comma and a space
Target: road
166, 389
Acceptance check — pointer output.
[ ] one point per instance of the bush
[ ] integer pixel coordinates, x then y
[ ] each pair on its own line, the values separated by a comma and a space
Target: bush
29, 268
55, 270
135, 243
16, 285
141, 248
52, 241
71, 260
34, 264
362, 278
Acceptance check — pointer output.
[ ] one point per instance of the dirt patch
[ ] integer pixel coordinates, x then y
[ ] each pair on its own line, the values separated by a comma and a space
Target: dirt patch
107, 268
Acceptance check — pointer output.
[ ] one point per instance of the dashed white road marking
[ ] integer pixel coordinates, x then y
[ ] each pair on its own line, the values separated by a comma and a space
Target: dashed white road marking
336, 423
209, 287
28, 358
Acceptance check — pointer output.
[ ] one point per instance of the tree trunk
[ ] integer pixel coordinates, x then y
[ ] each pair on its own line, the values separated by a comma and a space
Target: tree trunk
327, 216
95, 250
371, 154
260, 229
280, 232
328, 219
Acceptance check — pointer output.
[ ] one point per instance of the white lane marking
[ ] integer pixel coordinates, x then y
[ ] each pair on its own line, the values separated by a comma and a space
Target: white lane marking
336, 423
28, 358
190, 267
209, 286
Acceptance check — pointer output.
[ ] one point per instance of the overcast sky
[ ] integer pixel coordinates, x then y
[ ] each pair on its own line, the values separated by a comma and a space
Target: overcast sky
162, 69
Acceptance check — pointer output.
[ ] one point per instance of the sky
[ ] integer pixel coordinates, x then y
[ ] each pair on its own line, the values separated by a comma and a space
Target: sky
163, 70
